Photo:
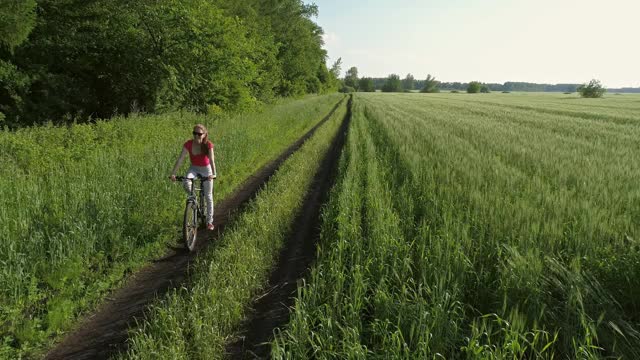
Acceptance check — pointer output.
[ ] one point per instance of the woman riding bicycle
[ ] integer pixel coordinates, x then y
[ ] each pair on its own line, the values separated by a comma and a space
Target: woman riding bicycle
200, 151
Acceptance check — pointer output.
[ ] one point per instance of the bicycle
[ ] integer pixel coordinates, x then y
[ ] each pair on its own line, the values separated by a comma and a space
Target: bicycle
194, 214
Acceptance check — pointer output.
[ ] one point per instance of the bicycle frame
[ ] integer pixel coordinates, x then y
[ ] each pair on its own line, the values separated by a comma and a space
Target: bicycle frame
196, 195
194, 205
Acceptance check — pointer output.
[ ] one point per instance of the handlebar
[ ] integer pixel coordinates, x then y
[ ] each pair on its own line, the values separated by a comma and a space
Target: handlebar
202, 178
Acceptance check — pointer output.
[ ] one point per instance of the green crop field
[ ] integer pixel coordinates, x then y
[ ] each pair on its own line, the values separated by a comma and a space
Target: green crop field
489, 226
82, 206
478, 226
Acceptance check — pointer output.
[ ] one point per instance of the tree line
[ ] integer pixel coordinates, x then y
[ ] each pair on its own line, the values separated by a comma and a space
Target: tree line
515, 86
393, 83
73, 60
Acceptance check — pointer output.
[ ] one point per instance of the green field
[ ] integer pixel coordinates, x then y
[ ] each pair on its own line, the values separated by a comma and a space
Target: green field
84, 206
485, 226
477, 226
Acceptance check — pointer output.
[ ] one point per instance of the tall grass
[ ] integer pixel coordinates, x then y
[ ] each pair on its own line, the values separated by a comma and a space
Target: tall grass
84, 205
198, 320
477, 230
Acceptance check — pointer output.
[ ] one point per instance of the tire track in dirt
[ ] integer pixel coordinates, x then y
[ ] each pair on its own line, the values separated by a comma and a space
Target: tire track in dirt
271, 310
103, 333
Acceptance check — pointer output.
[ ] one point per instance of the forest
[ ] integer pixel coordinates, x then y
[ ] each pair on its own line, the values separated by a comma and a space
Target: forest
64, 61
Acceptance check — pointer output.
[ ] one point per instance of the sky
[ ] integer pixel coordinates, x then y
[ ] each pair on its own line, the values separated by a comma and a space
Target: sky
492, 41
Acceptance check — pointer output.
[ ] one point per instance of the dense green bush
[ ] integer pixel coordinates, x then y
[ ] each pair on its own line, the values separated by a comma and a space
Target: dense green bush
366, 85
347, 89
351, 78
474, 87
592, 90
431, 85
392, 84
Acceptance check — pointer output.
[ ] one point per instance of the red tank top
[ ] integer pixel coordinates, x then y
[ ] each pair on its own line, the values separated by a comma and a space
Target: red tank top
200, 159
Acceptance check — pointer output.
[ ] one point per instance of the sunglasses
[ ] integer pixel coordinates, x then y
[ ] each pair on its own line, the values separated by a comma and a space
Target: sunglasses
197, 134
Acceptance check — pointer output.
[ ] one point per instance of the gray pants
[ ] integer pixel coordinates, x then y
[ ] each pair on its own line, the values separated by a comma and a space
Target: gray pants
207, 187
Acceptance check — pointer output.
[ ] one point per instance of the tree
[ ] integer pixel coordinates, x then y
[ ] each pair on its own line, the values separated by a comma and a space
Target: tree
298, 38
392, 84
408, 82
14, 85
335, 68
430, 85
474, 87
351, 78
485, 89
366, 85
335, 71
17, 19
592, 90
331, 81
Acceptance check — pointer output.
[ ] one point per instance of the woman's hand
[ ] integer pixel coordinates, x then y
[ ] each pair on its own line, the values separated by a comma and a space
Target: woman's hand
172, 178
211, 177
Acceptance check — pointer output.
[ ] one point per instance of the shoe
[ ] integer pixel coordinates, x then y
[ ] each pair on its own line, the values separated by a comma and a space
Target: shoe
210, 226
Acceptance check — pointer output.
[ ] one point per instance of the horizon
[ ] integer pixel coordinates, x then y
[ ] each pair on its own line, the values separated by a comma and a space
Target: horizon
499, 83
493, 41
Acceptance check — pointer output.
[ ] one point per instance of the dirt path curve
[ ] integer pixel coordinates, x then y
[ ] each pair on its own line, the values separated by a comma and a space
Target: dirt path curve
104, 332
271, 310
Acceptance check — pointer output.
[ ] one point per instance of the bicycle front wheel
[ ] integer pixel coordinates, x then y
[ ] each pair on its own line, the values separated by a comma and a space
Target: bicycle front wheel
190, 225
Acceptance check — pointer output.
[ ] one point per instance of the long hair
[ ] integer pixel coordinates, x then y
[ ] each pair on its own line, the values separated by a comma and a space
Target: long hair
204, 147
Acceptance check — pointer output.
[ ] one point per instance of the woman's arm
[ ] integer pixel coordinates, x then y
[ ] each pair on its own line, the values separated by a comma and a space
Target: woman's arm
183, 154
212, 162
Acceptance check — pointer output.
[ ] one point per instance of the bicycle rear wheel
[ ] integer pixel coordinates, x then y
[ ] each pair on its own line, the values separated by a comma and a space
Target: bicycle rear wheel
190, 225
